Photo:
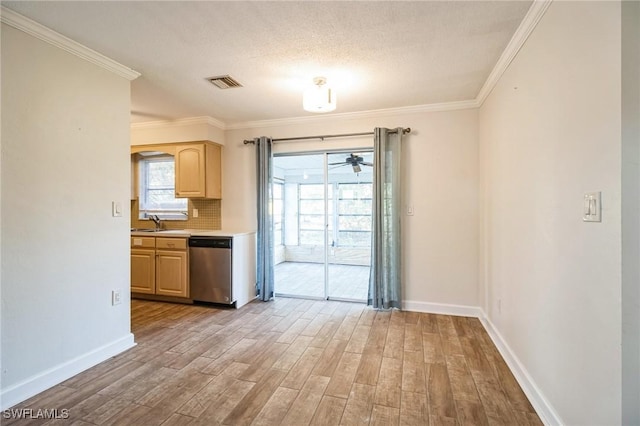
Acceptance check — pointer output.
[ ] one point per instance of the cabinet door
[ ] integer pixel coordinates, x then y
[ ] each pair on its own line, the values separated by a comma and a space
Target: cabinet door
143, 271
171, 273
190, 171
214, 171
134, 176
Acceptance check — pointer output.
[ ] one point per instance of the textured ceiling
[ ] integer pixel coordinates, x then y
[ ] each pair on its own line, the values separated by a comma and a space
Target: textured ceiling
376, 55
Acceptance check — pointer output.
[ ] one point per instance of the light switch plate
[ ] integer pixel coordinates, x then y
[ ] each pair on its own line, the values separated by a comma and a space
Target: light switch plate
591, 208
116, 209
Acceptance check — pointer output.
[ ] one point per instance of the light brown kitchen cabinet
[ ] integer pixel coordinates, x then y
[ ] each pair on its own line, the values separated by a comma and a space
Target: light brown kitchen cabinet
172, 278
161, 270
199, 170
134, 176
143, 271
171, 273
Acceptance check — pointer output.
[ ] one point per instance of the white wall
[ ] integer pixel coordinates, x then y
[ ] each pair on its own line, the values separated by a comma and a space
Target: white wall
631, 213
440, 180
65, 157
549, 132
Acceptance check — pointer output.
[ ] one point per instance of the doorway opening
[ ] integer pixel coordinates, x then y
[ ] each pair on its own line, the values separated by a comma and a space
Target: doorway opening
322, 206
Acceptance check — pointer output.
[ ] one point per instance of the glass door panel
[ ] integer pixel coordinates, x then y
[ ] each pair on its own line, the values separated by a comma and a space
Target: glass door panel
350, 175
299, 225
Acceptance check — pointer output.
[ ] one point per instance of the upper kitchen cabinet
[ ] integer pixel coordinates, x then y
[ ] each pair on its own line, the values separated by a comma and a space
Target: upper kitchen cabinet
199, 170
134, 176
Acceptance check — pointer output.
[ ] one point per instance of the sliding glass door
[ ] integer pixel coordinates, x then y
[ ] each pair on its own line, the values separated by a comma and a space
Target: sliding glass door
322, 225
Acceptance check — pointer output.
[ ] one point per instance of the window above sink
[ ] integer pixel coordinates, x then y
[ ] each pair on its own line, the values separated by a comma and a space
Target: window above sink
157, 188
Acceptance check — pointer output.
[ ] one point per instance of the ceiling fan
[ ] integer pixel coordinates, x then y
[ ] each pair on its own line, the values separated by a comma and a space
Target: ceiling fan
355, 161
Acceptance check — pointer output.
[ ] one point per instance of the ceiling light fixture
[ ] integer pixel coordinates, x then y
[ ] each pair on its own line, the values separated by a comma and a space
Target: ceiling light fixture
320, 97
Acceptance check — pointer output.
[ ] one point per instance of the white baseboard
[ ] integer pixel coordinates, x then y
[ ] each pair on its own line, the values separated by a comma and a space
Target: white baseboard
442, 308
544, 409
42, 381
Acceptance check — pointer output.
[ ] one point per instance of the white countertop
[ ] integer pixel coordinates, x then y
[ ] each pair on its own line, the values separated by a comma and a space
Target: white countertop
192, 232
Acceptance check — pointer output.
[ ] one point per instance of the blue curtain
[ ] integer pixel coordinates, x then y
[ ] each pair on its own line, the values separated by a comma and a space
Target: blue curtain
385, 286
265, 219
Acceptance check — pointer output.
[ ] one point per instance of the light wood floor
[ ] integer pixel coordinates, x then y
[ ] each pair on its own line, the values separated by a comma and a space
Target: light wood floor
294, 362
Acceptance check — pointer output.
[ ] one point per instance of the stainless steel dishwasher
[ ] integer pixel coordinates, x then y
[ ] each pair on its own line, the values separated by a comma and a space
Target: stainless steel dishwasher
210, 269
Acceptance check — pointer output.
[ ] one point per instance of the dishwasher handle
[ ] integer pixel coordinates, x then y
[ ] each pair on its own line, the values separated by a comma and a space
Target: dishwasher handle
209, 242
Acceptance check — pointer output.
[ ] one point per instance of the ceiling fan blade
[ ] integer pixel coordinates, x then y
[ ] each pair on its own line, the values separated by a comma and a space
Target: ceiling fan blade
364, 163
337, 165
342, 163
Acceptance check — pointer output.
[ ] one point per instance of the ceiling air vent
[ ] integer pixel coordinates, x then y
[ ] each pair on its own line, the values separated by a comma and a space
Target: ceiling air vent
224, 82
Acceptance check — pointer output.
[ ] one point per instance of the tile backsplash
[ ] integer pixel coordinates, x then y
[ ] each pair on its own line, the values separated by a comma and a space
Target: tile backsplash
209, 216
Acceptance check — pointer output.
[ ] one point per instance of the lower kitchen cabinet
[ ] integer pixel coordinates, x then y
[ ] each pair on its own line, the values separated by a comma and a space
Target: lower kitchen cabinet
161, 270
171, 273
143, 271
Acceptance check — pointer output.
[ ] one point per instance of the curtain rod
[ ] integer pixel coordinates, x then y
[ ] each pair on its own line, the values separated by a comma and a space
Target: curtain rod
323, 137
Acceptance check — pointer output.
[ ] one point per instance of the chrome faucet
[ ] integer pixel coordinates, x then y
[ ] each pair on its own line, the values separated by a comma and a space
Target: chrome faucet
156, 220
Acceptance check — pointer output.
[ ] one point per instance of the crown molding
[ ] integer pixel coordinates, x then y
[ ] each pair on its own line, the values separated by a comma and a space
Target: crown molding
530, 21
43, 33
528, 24
416, 109
181, 122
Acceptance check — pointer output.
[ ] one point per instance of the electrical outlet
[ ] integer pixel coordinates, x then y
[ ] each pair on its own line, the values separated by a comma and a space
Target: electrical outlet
115, 297
195, 213
410, 210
